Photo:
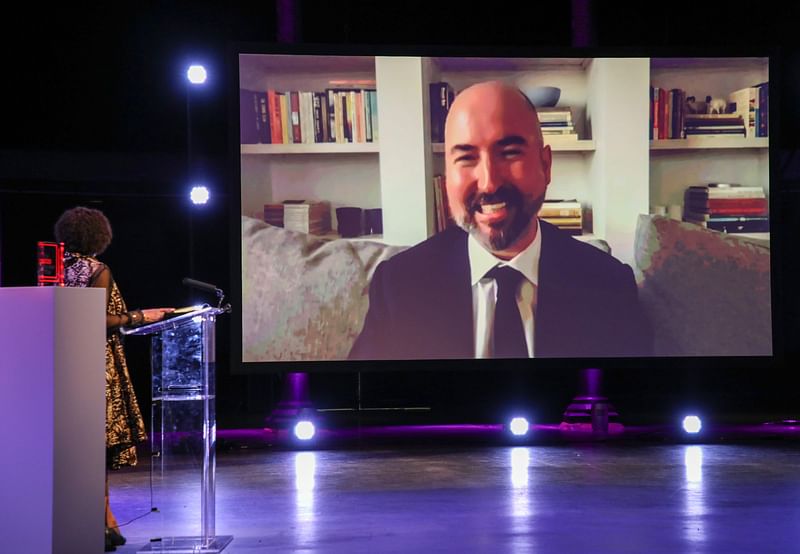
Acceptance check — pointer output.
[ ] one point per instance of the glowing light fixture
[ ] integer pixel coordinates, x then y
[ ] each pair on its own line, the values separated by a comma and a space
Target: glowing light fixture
196, 74
692, 424
519, 426
304, 430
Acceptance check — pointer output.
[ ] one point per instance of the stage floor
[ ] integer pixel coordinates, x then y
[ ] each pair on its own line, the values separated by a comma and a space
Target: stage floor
564, 498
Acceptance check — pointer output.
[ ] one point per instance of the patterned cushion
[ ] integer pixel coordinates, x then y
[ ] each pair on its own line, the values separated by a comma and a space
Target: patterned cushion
707, 293
303, 297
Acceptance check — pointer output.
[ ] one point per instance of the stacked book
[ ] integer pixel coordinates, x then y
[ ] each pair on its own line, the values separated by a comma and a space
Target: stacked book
564, 214
306, 216
557, 124
273, 214
752, 105
728, 208
714, 124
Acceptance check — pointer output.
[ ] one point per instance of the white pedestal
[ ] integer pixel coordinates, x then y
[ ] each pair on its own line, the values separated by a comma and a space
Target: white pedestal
52, 419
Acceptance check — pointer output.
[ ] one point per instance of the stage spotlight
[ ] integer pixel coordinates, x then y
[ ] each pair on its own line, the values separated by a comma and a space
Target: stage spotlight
199, 195
692, 424
196, 74
519, 426
304, 430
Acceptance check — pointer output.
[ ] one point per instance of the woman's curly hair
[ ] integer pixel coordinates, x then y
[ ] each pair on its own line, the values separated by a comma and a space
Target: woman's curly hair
83, 231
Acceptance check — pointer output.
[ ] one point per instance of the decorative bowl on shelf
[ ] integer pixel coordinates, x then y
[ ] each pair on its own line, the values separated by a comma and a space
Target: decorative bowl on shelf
543, 97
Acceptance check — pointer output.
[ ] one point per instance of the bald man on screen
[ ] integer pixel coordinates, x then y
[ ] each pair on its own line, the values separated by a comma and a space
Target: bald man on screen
503, 283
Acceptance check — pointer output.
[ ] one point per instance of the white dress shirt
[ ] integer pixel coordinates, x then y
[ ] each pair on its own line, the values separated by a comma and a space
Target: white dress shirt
484, 291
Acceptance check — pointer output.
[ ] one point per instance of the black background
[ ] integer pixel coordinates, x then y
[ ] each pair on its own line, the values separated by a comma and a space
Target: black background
94, 112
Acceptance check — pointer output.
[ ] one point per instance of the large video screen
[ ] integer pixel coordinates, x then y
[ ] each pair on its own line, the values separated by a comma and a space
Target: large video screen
432, 208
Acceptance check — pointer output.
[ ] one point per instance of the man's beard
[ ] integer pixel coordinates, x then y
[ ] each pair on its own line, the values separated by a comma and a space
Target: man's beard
525, 209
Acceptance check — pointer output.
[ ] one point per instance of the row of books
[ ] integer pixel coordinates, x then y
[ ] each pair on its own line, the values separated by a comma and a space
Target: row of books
567, 215
667, 113
303, 216
727, 207
302, 117
673, 115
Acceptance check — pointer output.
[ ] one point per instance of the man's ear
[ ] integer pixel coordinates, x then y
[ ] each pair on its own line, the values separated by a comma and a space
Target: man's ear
547, 163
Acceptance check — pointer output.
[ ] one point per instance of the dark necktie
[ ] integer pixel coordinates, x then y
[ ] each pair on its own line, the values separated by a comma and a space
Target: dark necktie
509, 334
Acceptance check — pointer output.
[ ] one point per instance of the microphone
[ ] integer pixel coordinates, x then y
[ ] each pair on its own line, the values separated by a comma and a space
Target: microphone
208, 287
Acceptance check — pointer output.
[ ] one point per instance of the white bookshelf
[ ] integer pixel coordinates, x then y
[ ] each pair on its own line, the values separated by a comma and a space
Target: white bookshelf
696, 160
613, 169
342, 174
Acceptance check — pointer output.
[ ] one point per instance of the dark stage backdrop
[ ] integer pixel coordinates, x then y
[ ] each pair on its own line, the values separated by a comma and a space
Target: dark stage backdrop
91, 81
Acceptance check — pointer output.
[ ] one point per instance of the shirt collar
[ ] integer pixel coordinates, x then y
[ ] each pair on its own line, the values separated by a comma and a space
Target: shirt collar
526, 262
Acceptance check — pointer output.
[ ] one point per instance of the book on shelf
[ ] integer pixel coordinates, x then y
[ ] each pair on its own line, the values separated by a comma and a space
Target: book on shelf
763, 110
715, 118
274, 108
715, 132
294, 101
743, 206
563, 222
558, 129
248, 117
560, 208
560, 113
567, 215
441, 209
263, 118
306, 216
441, 95
726, 190
732, 127
555, 124
732, 224
554, 139
287, 136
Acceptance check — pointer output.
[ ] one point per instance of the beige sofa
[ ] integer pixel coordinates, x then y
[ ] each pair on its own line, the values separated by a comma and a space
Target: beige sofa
305, 298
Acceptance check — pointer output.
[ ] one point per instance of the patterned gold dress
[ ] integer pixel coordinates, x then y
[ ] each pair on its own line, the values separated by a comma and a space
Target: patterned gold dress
124, 422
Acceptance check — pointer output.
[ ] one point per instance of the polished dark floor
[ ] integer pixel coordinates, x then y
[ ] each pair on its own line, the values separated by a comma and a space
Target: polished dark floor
580, 497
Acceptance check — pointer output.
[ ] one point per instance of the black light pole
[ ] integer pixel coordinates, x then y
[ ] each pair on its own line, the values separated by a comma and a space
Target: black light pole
196, 76
189, 172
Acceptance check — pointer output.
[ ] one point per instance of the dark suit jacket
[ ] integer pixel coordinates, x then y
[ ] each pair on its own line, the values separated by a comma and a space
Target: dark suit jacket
420, 303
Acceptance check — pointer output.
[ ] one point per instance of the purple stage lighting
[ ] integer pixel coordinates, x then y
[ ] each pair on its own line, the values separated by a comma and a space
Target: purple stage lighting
199, 195
304, 430
692, 424
196, 74
519, 426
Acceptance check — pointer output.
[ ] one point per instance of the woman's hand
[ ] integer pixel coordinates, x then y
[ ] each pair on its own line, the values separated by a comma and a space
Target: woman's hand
151, 315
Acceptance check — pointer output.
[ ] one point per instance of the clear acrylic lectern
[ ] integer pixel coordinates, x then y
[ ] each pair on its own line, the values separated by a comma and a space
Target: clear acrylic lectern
183, 432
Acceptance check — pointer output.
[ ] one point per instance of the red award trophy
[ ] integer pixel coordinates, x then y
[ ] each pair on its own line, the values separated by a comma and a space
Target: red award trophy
50, 264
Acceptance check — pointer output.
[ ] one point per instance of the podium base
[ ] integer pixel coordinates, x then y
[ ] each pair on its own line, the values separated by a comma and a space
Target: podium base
188, 545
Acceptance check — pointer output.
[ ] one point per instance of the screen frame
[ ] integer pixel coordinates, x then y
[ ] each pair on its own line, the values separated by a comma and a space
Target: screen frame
777, 224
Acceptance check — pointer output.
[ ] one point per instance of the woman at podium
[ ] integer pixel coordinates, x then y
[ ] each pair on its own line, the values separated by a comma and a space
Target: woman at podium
86, 233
